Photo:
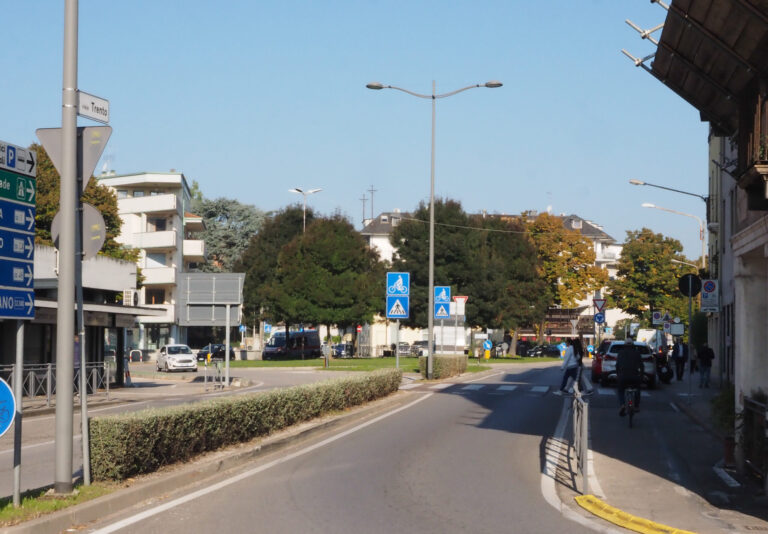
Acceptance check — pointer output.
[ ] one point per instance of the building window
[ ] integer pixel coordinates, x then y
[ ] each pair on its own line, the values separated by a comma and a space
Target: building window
156, 225
155, 193
122, 193
154, 296
138, 193
156, 259
395, 221
384, 218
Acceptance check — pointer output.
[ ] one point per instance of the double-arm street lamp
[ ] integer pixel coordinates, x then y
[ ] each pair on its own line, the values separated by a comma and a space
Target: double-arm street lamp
698, 219
433, 97
304, 193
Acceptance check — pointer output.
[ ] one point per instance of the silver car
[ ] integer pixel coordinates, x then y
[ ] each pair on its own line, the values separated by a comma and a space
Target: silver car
176, 357
606, 362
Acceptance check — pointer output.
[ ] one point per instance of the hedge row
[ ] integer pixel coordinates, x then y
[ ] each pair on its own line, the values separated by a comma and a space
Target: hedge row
444, 365
141, 442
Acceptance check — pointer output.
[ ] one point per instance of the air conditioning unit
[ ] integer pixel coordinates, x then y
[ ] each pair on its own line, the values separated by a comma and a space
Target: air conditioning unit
130, 297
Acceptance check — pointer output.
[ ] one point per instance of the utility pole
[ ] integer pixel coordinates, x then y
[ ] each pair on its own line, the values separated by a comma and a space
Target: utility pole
364, 199
372, 191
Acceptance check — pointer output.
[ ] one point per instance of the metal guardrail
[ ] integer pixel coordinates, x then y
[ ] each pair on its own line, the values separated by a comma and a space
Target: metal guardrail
755, 436
39, 380
580, 410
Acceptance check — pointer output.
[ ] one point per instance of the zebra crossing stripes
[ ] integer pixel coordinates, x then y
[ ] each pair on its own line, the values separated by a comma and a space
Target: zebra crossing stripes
612, 391
473, 387
410, 386
507, 388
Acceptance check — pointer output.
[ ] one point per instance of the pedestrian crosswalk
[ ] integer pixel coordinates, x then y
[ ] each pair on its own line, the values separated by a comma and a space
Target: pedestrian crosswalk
498, 389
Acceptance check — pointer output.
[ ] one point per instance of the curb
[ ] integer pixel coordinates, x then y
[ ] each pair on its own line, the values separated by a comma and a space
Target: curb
637, 524
122, 499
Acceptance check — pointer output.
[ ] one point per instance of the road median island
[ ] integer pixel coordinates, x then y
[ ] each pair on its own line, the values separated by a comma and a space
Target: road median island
127, 445
638, 524
444, 365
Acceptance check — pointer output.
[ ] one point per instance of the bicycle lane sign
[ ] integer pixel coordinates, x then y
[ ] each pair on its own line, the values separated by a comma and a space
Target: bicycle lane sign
7, 407
398, 295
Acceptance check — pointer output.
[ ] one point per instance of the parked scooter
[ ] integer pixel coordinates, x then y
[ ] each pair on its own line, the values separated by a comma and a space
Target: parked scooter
663, 368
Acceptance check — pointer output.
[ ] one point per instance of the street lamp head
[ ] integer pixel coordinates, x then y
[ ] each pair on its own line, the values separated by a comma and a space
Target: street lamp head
375, 85
493, 84
648, 205
636, 182
313, 191
296, 190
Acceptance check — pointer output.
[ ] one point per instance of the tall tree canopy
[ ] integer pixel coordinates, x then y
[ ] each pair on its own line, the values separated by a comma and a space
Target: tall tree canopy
486, 258
646, 280
327, 276
260, 260
567, 261
99, 196
229, 228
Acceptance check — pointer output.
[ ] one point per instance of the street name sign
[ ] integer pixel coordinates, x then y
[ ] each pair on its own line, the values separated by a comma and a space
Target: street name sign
17, 159
92, 107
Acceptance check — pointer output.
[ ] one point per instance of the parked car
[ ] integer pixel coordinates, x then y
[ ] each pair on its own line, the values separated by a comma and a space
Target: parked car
301, 345
403, 349
604, 362
343, 350
541, 351
176, 357
216, 350
420, 348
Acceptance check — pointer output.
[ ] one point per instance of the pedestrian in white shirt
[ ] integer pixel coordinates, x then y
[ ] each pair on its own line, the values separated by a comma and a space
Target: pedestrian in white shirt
570, 365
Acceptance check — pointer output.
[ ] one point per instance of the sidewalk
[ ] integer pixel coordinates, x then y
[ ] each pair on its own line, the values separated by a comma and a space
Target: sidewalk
669, 468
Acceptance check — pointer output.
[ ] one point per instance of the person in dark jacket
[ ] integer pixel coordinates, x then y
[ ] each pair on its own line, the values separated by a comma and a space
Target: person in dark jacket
679, 356
706, 355
629, 372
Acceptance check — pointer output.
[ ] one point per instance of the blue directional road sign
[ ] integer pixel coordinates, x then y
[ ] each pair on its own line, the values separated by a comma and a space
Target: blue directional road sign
18, 304
7, 407
599, 318
16, 273
17, 216
442, 294
398, 307
16, 246
398, 284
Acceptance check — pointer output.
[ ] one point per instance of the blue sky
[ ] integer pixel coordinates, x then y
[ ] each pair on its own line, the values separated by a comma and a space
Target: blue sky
251, 99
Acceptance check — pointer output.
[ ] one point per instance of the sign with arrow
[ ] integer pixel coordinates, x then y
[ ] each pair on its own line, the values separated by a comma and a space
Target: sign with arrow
17, 159
17, 304
16, 274
17, 188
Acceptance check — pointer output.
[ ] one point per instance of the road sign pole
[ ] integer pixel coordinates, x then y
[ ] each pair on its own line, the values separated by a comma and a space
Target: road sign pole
397, 344
18, 391
690, 353
65, 324
226, 349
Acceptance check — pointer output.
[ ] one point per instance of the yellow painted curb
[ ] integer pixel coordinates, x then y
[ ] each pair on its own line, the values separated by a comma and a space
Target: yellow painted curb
617, 517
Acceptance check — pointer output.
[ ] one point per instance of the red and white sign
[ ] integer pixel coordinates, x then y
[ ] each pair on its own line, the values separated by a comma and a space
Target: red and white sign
599, 304
359, 328
460, 301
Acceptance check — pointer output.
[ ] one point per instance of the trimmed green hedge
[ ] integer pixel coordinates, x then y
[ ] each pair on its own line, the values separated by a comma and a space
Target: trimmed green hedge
444, 365
141, 442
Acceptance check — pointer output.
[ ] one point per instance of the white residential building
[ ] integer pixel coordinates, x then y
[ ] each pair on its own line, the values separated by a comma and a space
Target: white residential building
154, 208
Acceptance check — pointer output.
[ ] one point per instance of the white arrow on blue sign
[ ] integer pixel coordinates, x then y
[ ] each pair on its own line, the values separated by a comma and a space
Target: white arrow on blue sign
599, 318
7, 407
487, 344
16, 273
17, 304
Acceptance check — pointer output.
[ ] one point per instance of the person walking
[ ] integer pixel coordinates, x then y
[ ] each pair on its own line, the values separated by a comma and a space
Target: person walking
629, 373
679, 357
570, 366
706, 355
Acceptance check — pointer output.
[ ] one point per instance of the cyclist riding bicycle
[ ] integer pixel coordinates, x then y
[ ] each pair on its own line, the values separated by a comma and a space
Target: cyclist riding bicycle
629, 373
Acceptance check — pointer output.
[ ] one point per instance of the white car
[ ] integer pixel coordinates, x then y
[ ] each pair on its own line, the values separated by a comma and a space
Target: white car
176, 357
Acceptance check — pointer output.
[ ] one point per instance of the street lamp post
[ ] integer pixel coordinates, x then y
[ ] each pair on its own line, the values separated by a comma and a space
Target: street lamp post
304, 194
433, 97
698, 219
640, 182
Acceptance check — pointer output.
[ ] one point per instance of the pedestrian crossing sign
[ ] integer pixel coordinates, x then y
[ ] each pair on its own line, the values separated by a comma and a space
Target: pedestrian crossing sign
442, 311
397, 307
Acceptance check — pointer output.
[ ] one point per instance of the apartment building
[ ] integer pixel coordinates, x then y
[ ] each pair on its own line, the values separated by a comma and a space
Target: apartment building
155, 211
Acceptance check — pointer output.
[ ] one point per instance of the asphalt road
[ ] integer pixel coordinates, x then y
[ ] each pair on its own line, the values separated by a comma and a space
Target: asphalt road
38, 431
466, 458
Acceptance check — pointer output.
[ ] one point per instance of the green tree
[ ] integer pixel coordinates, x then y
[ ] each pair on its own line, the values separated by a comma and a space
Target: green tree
327, 276
229, 228
100, 197
566, 261
260, 260
647, 279
486, 258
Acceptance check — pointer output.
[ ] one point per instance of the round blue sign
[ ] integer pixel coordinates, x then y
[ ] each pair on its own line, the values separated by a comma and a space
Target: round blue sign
7, 407
590, 348
487, 345
599, 318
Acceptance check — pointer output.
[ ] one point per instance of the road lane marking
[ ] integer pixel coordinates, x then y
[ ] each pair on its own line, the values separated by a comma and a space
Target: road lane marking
507, 388
473, 387
539, 389
441, 386
410, 386
242, 476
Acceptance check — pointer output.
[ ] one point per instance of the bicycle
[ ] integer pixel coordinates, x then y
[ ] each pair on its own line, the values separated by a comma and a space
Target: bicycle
630, 402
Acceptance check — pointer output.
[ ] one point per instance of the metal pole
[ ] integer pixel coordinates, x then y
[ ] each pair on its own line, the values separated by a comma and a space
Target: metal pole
690, 353
456, 332
65, 324
18, 393
397, 345
80, 321
431, 310
304, 231
226, 350
442, 336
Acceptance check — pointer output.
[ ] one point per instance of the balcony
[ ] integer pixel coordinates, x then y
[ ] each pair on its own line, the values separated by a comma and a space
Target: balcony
194, 250
159, 276
155, 240
167, 203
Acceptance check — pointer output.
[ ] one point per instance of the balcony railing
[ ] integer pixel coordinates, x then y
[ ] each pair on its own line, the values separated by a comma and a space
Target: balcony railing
155, 240
194, 250
150, 204
159, 275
